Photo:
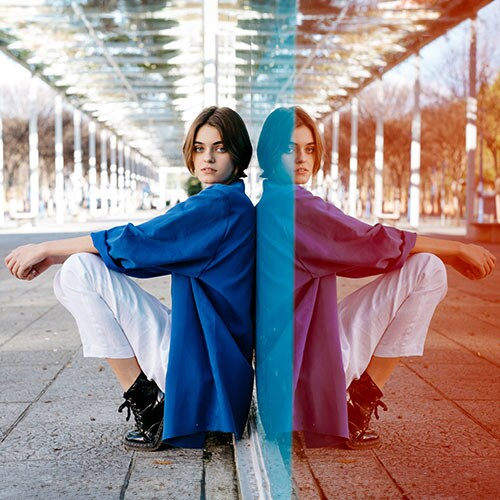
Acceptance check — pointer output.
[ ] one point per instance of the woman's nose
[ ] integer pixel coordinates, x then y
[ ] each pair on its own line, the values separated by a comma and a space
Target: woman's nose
208, 157
299, 157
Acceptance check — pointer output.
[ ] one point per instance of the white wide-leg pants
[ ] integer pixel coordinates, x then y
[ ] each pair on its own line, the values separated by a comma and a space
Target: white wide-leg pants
389, 317
116, 318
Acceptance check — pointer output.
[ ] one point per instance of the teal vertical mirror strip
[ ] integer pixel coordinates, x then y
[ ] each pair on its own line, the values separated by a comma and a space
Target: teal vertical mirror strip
275, 261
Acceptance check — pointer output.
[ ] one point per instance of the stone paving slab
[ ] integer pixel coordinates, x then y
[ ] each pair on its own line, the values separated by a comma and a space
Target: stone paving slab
440, 437
60, 432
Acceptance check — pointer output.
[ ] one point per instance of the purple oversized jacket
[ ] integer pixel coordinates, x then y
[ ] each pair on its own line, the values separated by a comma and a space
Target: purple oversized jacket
329, 243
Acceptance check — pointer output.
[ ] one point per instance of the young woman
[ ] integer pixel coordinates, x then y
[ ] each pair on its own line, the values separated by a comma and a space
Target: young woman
357, 343
185, 371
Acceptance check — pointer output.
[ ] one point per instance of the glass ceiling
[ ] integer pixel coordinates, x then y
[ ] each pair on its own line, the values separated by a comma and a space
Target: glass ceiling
145, 68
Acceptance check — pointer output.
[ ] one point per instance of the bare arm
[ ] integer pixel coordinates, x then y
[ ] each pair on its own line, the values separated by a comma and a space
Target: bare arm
473, 261
28, 261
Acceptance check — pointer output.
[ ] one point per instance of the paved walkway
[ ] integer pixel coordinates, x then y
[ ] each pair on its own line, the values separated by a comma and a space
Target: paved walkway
441, 436
59, 427
60, 430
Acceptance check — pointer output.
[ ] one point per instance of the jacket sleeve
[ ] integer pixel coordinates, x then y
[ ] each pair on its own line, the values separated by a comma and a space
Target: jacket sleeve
327, 241
183, 240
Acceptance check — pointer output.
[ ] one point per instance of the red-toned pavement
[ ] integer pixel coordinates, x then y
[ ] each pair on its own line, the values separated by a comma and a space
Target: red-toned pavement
441, 437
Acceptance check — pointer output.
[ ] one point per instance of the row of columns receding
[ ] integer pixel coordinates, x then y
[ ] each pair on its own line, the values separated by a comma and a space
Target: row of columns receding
120, 177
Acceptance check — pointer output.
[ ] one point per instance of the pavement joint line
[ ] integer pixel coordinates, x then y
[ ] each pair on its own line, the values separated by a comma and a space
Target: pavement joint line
404, 494
28, 325
317, 483
472, 351
21, 417
203, 479
454, 403
128, 475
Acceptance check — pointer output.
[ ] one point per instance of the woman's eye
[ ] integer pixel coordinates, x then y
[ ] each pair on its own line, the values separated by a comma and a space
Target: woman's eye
197, 149
310, 150
221, 149
290, 149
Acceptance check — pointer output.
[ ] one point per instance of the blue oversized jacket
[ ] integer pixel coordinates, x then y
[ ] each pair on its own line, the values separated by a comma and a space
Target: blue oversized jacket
207, 246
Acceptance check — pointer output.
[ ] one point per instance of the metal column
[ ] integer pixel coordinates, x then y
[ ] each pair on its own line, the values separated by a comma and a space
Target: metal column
210, 22
104, 173
121, 178
414, 208
113, 194
34, 156
77, 159
353, 162
334, 172
379, 153
127, 179
471, 128
59, 161
92, 170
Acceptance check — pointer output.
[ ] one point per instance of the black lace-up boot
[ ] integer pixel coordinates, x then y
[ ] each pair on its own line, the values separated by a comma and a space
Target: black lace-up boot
364, 398
145, 400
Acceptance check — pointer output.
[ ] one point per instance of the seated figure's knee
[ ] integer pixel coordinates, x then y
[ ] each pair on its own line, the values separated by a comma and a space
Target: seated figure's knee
75, 273
432, 271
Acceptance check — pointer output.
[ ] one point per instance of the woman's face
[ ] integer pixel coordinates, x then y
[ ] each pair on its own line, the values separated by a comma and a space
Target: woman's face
301, 155
212, 162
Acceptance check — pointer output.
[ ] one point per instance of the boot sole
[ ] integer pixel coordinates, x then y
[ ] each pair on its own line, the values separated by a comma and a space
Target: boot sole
155, 446
368, 446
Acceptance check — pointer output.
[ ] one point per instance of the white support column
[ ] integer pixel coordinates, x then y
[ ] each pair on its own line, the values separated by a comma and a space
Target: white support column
414, 208
133, 181
128, 193
77, 159
34, 156
104, 173
59, 161
471, 128
92, 170
121, 178
162, 181
353, 162
113, 193
334, 172
379, 153
210, 24
3, 203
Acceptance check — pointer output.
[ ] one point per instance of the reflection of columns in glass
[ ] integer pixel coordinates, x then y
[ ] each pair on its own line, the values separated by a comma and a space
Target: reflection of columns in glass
353, 162
113, 194
104, 173
414, 205
335, 188
470, 128
59, 162
92, 170
34, 158
210, 22
379, 152
2, 188
121, 178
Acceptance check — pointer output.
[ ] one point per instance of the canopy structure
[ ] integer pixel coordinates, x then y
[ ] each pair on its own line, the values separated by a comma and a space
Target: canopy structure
145, 68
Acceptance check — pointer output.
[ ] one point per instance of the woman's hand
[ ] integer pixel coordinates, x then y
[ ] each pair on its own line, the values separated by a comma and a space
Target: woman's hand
473, 261
28, 261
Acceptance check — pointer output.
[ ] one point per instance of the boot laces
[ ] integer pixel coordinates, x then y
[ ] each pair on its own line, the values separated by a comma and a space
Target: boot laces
129, 405
382, 405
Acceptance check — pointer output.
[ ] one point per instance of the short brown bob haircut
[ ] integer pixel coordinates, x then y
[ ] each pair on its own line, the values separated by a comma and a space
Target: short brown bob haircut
276, 135
233, 132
